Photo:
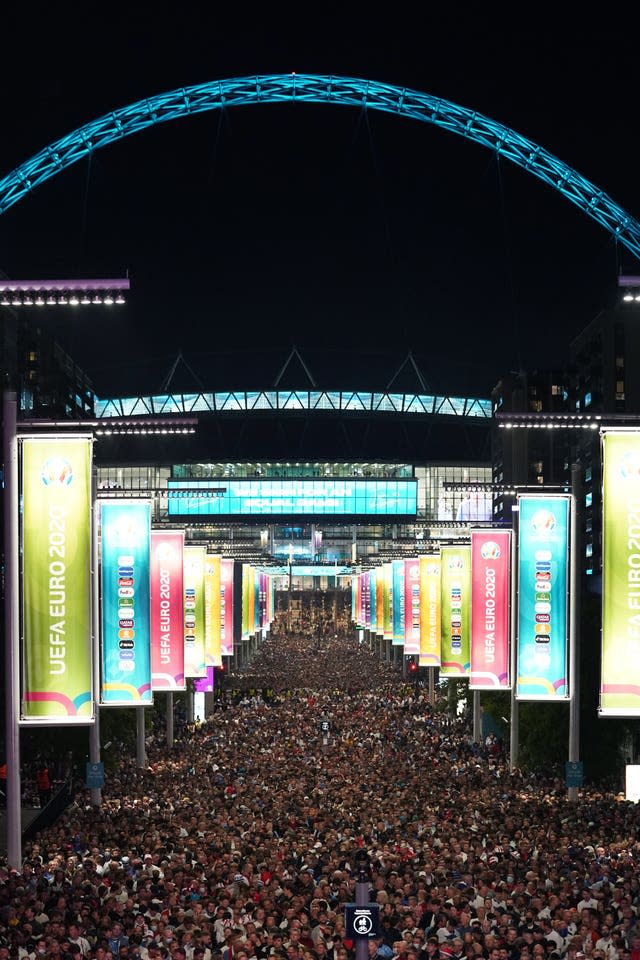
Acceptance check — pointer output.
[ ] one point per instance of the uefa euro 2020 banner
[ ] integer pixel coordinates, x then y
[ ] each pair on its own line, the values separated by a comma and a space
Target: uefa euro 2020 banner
194, 624
455, 611
57, 685
620, 674
429, 611
126, 604
543, 561
226, 606
397, 603
412, 607
167, 610
490, 578
212, 647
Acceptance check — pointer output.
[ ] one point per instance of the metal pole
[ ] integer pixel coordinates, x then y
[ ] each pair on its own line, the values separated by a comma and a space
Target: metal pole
170, 719
141, 757
575, 576
362, 900
477, 717
432, 685
514, 727
12, 625
94, 729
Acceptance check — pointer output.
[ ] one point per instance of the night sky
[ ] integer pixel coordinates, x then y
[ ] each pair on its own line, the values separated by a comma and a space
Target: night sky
354, 235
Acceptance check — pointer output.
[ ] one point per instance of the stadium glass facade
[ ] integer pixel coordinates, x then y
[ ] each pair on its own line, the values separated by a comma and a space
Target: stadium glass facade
320, 534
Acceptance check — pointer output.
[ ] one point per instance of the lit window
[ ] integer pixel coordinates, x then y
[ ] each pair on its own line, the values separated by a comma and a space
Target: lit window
588, 550
588, 500
587, 399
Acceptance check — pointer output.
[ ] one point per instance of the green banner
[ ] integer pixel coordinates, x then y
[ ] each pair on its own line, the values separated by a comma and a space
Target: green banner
620, 675
56, 541
455, 607
194, 627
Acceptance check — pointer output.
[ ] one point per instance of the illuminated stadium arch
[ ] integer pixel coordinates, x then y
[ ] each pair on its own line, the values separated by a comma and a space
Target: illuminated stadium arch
307, 88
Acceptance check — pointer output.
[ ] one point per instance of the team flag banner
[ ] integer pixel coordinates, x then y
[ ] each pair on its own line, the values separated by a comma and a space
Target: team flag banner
455, 615
490, 578
412, 606
543, 560
366, 598
373, 599
226, 607
397, 604
620, 654
429, 611
247, 600
167, 610
256, 601
380, 601
57, 683
212, 644
387, 631
194, 626
126, 607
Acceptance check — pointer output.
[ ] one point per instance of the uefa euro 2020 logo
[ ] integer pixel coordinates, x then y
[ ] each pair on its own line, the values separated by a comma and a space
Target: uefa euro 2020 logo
56, 472
456, 562
543, 521
490, 550
630, 465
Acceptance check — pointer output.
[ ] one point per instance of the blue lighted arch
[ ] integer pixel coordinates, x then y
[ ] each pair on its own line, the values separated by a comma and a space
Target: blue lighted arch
305, 88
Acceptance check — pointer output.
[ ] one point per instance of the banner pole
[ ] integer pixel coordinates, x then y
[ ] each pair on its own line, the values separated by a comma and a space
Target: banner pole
574, 623
141, 758
170, 719
514, 731
94, 729
12, 634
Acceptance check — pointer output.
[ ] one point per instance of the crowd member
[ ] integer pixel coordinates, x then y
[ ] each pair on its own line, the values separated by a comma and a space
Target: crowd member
240, 843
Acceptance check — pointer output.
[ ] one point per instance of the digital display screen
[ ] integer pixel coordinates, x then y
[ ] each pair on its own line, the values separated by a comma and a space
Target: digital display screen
225, 498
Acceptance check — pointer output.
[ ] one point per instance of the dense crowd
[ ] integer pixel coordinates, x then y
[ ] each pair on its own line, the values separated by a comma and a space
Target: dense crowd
241, 842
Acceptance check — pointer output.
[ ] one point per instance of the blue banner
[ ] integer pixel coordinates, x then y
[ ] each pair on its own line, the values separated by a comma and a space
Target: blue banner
126, 627
397, 580
542, 592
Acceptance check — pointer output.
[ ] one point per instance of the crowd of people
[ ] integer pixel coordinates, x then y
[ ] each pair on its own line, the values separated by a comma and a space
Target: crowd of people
242, 841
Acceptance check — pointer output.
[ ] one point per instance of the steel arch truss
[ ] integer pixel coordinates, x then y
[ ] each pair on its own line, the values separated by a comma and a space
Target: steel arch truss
306, 88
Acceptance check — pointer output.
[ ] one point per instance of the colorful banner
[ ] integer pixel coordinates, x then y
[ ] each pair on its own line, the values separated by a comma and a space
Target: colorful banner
212, 645
126, 607
620, 657
455, 606
380, 601
429, 612
366, 599
167, 610
412, 607
247, 600
397, 604
373, 602
542, 594
387, 621
194, 626
490, 579
56, 543
226, 607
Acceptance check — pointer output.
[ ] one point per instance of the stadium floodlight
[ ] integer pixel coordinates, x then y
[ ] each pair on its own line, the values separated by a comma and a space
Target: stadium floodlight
27, 293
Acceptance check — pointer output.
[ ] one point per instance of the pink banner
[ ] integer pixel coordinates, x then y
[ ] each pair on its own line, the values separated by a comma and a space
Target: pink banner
412, 606
490, 576
226, 607
167, 626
